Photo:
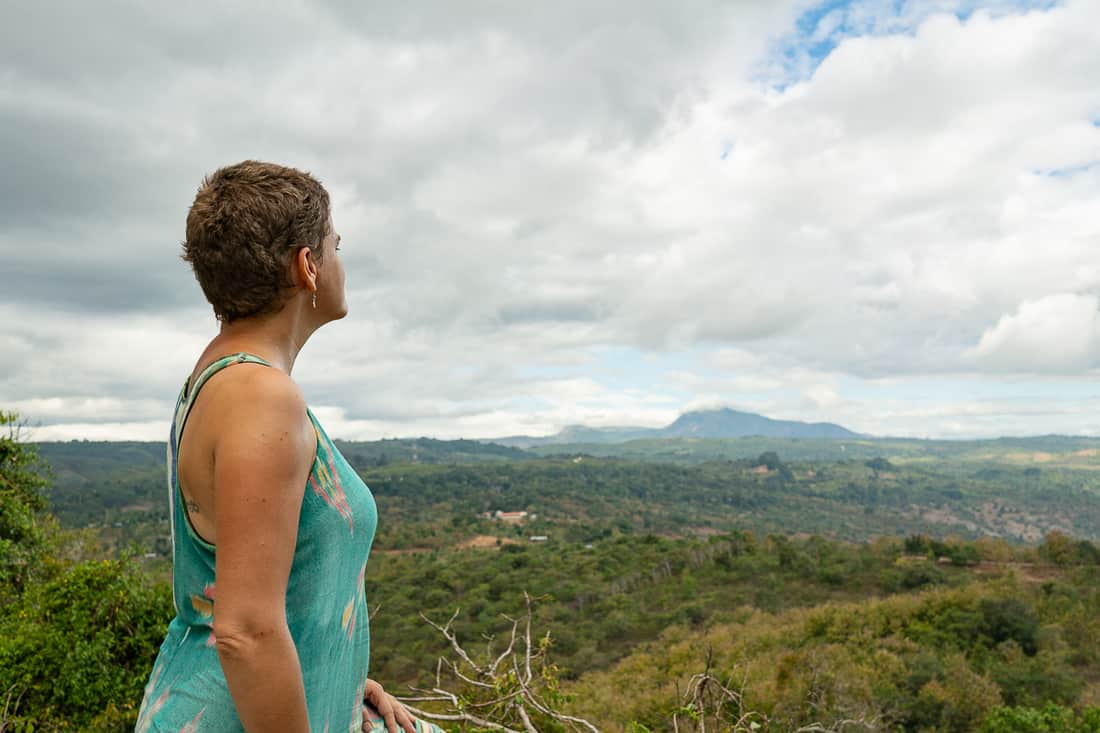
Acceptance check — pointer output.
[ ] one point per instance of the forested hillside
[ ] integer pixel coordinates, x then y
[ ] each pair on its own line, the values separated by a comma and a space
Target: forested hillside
982, 656
1015, 489
902, 592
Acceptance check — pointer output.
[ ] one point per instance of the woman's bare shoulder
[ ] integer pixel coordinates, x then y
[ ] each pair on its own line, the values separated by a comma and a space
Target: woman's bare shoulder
252, 381
260, 400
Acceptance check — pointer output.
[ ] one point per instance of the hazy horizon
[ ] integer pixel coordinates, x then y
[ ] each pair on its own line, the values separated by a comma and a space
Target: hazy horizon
28, 428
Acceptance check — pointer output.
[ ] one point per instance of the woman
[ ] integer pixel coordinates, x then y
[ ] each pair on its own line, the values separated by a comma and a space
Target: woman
271, 527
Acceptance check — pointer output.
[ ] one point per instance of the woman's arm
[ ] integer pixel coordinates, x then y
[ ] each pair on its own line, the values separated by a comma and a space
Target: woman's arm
262, 460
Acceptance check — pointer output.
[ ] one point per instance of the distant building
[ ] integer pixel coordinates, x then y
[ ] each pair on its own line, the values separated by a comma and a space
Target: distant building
506, 517
539, 538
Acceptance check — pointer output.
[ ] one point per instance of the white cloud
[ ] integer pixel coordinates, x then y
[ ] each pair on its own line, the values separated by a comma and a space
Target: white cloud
97, 409
148, 430
1058, 333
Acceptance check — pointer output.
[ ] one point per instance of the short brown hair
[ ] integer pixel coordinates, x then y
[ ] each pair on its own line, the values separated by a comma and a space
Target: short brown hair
246, 223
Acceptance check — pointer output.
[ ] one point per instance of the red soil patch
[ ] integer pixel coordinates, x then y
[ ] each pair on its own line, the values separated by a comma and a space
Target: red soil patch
484, 541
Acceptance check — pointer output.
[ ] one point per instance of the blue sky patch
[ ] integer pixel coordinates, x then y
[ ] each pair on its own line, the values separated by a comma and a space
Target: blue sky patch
822, 26
1069, 171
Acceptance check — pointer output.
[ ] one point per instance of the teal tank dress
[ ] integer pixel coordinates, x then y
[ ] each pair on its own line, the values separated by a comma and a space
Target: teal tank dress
326, 606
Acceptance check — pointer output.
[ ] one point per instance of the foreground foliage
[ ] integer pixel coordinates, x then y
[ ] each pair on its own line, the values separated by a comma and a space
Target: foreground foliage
938, 660
77, 639
1048, 719
27, 532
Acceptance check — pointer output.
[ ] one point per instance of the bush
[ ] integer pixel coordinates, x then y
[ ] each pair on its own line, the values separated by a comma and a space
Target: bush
27, 532
1048, 719
1010, 618
83, 642
911, 577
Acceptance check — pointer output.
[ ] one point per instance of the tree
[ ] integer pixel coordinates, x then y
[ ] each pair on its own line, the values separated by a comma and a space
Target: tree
768, 459
1057, 548
26, 530
77, 649
879, 465
77, 640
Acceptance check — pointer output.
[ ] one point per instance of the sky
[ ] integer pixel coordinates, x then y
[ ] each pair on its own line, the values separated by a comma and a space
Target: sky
879, 213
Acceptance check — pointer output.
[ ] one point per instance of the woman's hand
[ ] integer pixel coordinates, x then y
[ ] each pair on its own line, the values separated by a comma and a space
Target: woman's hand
389, 708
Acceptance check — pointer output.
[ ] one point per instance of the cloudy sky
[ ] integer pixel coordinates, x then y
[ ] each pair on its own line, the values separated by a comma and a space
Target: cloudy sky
882, 213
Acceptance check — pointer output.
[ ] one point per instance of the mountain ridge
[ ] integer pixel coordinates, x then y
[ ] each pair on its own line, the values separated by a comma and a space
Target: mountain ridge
723, 422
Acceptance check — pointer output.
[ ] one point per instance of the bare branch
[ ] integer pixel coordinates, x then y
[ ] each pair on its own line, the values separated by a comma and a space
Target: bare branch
545, 709
490, 703
444, 695
840, 725
526, 720
507, 652
515, 689
9, 706
527, 635
466, 717
450, 636
570, 719
458, 673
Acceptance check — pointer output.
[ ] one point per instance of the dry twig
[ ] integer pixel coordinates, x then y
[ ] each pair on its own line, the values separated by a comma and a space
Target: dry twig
504, 686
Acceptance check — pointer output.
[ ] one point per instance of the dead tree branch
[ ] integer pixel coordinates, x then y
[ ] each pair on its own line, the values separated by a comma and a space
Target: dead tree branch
501, 693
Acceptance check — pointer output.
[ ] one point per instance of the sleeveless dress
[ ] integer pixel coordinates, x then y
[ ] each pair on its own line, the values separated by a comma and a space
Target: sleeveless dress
326, 606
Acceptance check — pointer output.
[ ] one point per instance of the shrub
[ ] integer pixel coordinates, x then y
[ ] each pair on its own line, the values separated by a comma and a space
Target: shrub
81, 645
27, 532
1050, 718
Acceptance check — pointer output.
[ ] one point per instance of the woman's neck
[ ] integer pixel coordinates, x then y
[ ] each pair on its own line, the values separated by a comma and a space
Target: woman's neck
276, 337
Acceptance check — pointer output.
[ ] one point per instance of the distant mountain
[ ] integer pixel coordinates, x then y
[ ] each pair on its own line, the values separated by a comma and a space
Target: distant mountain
575, 434
583, 434
727, 423
720, 423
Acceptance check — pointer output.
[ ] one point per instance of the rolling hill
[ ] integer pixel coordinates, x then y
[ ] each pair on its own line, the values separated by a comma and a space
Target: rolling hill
719, 423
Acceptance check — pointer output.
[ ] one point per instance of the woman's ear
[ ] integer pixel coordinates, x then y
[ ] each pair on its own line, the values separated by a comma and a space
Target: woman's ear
304, 269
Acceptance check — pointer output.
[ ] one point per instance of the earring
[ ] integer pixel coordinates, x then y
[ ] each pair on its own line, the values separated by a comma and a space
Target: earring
314, 298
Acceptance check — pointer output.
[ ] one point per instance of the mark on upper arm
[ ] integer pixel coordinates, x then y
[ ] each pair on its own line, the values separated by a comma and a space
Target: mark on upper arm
192, 506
